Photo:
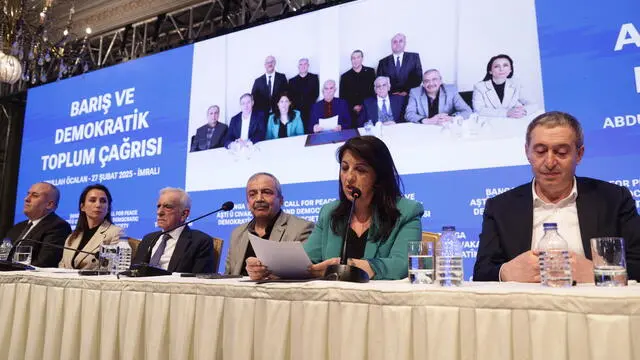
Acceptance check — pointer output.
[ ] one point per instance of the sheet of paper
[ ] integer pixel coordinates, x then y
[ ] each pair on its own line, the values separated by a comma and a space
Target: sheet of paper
328, 123
287, 260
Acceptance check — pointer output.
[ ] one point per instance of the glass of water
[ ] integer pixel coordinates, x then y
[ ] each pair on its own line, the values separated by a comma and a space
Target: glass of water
609, 261
23, 254
420, 262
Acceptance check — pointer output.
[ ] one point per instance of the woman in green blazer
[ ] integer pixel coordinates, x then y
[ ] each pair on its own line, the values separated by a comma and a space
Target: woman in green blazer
382, 224
284, 121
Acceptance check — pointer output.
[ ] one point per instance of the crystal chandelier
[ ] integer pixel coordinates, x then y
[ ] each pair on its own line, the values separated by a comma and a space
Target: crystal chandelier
37, 53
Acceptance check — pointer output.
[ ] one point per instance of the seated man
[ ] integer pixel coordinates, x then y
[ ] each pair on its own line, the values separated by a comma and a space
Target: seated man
42, 225
328, 107
435, 103
264, 199
182, 249
384, 107
211, 135
582, 207
247, 125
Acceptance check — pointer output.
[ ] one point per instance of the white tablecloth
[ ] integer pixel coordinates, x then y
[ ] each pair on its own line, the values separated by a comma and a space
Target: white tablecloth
65, 316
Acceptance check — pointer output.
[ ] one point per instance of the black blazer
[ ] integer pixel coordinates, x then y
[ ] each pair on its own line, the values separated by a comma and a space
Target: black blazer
257, 128
410, 74
199, 141
262, 101
193, 253
369, 111
305, 92
604, 209
51, 229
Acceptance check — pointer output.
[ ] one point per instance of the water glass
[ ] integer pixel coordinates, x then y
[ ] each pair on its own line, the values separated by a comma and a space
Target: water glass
609, 261
23, 254
420, 262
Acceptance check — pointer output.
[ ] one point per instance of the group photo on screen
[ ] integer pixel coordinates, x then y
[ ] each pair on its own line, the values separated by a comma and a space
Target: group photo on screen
301, 86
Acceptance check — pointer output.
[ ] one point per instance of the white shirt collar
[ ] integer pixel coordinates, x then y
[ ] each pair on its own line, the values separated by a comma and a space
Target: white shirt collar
175, 234
537, 200
395, 56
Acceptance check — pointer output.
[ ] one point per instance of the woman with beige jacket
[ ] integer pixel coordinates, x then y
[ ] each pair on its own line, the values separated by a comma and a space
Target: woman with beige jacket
94, 228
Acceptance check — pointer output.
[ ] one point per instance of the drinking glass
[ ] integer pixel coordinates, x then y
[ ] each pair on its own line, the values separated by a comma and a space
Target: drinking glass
23, 254
420, 262
609, 262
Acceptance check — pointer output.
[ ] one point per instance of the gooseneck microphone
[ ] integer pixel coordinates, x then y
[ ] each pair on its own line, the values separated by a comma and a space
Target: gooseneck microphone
144, 269
9, 265
342, 271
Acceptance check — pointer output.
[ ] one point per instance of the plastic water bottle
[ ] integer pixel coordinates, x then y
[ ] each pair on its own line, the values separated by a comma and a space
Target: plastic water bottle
124, 253
555, 268
368, 127
5, 248
449, 270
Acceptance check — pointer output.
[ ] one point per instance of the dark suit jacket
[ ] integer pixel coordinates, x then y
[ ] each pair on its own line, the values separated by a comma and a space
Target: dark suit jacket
410, 74
305, 92
193, 253
52, 229
262, 101
395, 103
604, 209
217, 139
257, 126
339, 107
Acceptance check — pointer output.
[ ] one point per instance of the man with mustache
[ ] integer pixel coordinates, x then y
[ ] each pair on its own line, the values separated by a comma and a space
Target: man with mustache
182, 249
582, 207
264, 199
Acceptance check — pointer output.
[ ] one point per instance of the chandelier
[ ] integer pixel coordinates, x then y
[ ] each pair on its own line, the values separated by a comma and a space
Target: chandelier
32, 50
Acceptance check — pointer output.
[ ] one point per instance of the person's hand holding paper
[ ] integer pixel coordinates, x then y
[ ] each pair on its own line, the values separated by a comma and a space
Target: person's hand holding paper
286, 260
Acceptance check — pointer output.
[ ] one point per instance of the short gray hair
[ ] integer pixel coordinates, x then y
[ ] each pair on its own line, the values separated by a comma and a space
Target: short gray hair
431, 70
275, 180
384, 79
185, 199
54, 195
552, 119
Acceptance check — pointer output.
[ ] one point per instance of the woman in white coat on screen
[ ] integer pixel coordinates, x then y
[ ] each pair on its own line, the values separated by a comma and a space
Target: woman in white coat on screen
93, 229
499, 94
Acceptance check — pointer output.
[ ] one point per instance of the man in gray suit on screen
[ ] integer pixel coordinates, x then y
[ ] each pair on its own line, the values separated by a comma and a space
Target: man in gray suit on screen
264, 199
434, 103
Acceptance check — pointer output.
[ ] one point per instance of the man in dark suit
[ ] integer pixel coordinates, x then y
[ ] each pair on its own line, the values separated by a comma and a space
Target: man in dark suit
403, 68
328, 107
247, 125
42, 225
583, 208
211, 135
357, 84
264, 200
304, 88
267, 87
384, 107
180, 250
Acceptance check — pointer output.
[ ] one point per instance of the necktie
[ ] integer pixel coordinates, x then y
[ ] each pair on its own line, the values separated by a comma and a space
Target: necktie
269, 84
209, 136
25, 230
385, 112
155, 259
398, 63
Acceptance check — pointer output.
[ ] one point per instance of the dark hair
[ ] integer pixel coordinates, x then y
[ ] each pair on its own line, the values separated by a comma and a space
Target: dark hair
82, 224
556, 118
487, 75
276, 109
386, 189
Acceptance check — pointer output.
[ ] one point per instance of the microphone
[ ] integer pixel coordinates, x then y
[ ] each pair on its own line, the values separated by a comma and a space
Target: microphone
9, 265
144, 269
342, 271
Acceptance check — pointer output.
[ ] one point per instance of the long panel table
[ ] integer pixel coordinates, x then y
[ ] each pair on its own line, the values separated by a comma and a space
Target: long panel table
67, 316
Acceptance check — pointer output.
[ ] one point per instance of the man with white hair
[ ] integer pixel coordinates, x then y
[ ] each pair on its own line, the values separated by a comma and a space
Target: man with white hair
384, 107
328, 107
181, 249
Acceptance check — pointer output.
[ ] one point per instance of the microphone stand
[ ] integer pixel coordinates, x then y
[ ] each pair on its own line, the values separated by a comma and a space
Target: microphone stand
145, 269
9, 265
342, 271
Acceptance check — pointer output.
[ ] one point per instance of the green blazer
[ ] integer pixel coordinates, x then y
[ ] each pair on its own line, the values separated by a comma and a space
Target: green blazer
294, 126
387, 257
